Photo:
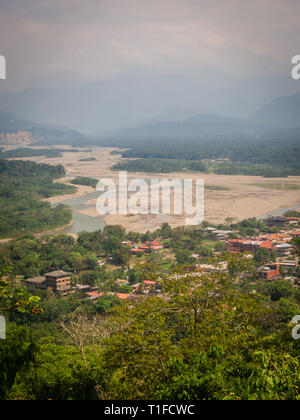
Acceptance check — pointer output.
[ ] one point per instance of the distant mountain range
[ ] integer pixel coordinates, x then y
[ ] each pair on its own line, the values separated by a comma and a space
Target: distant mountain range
280, 117
17, 131
281, 112
134, 97
196, 126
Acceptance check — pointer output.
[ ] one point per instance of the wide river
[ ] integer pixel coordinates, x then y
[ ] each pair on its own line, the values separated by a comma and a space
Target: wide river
278, 212
82, 222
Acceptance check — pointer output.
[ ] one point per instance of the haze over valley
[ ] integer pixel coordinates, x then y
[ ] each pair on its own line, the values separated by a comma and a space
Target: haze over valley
149, 203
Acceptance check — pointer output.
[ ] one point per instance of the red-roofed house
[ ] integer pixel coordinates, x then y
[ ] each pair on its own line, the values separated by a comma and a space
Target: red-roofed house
120, 281
138, 250
267, 244
94, 295
123, 295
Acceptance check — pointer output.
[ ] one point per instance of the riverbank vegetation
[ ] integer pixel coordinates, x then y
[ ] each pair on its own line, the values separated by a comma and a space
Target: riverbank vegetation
160, 165
23, 185
268, 158
221, 168
81, 180
29, 152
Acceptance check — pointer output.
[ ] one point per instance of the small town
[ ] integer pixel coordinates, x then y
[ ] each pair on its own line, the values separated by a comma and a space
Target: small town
149, 203
276, 251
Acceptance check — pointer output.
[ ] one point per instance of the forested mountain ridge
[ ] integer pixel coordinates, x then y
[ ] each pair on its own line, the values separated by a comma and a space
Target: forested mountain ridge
133, 97
197, 126
17, 131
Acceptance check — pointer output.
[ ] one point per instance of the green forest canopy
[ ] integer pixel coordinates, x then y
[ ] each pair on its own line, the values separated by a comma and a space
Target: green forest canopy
268, 157
23, 185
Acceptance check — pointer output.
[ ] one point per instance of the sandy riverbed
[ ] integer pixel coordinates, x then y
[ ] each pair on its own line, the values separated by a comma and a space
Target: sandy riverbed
81, 190
243, 199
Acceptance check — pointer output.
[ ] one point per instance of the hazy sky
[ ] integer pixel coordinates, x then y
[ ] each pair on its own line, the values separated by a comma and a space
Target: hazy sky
99, 38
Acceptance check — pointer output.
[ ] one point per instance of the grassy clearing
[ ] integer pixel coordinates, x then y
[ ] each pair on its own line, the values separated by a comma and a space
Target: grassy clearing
217, 188
209, 244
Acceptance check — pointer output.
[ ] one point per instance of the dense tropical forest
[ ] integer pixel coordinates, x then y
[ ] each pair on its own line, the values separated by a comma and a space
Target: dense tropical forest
160, 165
29, 152
82, 180
263, 157
39, 133
23, 185
208, 336
222, 168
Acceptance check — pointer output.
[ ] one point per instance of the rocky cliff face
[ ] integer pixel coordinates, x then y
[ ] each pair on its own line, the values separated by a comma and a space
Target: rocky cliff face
16, 131
20, 138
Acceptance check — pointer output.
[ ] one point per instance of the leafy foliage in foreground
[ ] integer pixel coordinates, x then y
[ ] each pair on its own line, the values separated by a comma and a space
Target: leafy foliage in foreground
206, 337
203, 340
17, 350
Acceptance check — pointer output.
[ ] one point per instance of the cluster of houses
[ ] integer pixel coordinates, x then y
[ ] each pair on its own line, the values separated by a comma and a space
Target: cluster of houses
146, 288
282, 222
218, 234
282, 248
275, 270
148, 247
60, 283
280, 244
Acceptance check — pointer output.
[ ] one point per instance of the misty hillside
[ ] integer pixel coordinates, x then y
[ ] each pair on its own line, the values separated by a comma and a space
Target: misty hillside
196, 126
280, 116
11, 125
282, 112
132, 98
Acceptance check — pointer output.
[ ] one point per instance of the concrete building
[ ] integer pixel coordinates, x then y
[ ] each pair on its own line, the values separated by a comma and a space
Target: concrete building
37, 282
283, 249
59, 281
288, 265
270, 272
220, 235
